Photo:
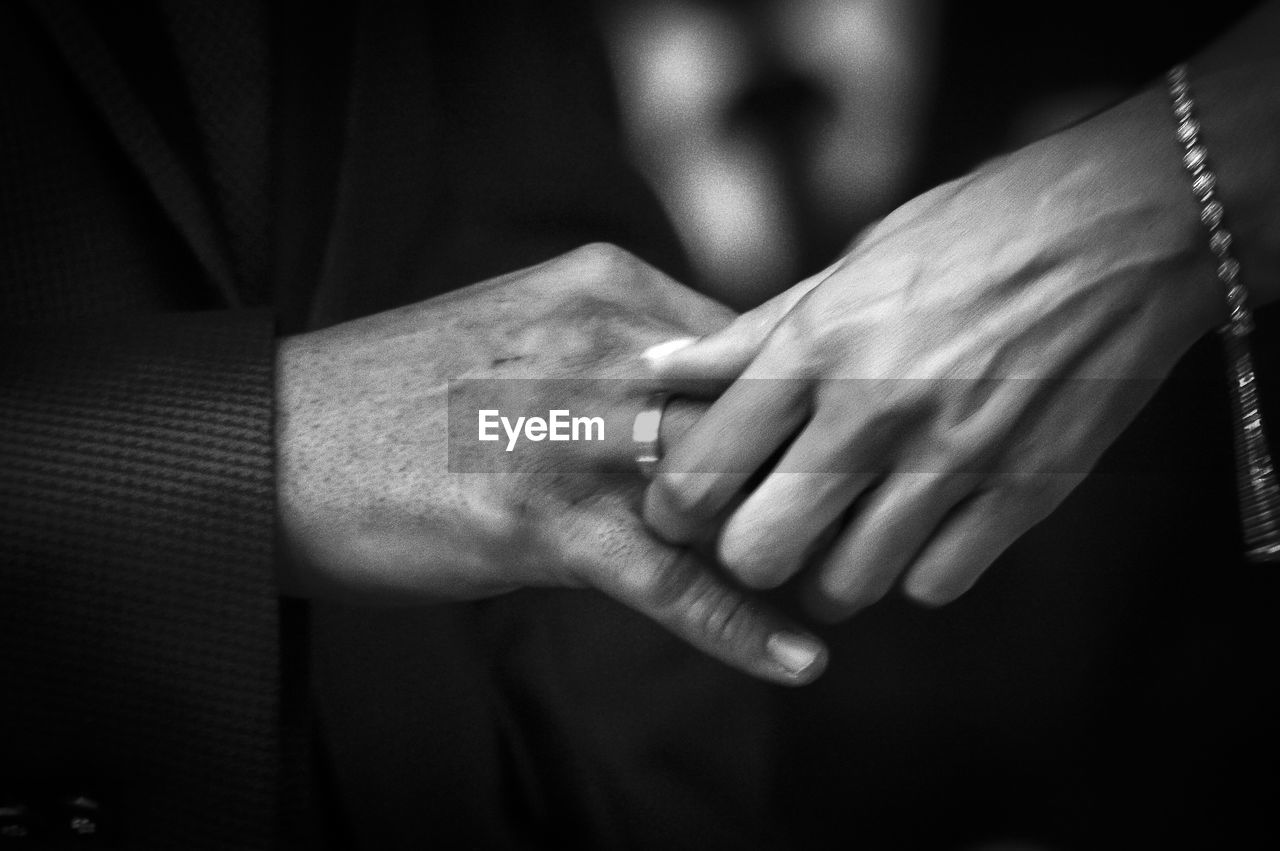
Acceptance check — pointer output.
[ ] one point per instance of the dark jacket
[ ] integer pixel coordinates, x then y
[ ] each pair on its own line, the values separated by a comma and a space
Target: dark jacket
180, 182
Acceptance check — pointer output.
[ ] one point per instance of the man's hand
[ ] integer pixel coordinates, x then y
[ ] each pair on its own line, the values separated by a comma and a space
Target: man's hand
369, 508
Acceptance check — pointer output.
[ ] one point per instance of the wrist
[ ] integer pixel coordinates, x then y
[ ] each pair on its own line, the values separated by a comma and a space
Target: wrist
290, 571
1121, 182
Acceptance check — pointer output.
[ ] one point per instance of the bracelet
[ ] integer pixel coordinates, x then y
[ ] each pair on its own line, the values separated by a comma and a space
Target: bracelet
1256, 483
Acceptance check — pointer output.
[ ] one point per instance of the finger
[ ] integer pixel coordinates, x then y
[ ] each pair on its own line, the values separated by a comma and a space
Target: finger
765, 540
843, 450
725, 354
681, 415
682, 593
722, 355
701, 473
618, 451
884, 535
679, 418
966, 544
619, 454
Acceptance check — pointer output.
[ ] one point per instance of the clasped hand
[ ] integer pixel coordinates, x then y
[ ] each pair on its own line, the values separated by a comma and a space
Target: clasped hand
903, 416
907, 414
371, 510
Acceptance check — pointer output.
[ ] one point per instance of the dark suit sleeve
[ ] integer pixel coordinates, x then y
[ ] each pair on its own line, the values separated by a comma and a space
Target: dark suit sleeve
138, 615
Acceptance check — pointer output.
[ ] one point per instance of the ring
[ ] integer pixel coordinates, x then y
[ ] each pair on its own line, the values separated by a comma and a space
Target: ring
646, 434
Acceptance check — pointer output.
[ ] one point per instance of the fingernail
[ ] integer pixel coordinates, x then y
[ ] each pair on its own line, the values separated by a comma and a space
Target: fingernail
795, 653
654, 355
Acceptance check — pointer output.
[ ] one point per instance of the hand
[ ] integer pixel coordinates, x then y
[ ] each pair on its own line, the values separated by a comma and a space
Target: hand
369, 508
942, 388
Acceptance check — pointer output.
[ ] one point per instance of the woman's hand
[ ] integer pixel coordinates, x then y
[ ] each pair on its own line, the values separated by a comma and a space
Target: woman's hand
935, 393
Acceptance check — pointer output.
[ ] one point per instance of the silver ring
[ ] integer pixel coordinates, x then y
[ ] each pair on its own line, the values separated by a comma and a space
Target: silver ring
646, 434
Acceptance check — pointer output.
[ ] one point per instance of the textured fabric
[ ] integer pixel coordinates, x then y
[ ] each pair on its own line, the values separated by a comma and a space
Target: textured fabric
139, 623
158, 157
225, 59
81, 234
411, 150
138, 615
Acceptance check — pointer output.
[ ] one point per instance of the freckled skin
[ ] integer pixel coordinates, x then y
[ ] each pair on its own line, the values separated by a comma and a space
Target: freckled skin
369, 510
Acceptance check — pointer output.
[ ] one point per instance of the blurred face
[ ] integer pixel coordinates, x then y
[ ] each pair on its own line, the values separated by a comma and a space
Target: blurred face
773, 130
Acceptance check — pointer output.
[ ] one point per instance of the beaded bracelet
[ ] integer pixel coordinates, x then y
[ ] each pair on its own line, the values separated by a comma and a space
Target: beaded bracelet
1255, 473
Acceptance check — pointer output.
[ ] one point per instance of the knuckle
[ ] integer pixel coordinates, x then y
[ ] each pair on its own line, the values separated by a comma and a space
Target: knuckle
880, 415
668, 583
957, 450
720, 615
602, 259
682, 593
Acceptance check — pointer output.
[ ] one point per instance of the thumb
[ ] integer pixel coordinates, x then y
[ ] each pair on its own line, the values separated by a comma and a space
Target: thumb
675, 588
720, 356
725, 354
